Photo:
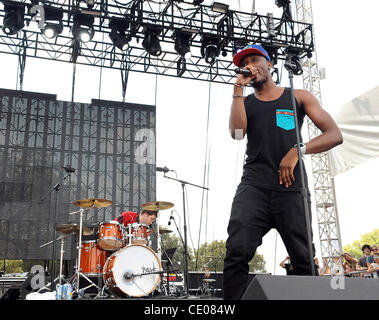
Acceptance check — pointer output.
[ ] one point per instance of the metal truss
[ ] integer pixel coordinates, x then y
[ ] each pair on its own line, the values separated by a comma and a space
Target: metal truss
230, 30
328, 225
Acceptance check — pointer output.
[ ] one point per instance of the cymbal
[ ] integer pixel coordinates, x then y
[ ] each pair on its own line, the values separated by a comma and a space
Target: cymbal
163, 230
73, 228
93, 202
157, 205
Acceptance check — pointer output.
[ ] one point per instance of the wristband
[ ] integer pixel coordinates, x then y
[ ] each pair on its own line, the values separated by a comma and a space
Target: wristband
303, 148
238, 85
236, 96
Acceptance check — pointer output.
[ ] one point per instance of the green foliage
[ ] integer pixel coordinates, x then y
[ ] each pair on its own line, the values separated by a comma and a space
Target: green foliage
369, 238
13, 266
209, 257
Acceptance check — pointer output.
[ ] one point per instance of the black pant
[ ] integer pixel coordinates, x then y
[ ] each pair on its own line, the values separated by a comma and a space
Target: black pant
254, 212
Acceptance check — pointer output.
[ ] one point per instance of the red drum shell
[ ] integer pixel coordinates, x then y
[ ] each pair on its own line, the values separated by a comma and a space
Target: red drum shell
110, 236
92, 258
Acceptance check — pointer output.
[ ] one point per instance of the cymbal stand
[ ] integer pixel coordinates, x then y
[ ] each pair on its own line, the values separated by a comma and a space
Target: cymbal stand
60, 277
78, 272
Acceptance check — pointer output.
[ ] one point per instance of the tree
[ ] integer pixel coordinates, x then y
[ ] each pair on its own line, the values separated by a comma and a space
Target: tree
369, 238
211, 256
13, 266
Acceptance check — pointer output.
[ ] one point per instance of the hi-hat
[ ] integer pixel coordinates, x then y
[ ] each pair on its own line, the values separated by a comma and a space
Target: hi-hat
73, 228
157, 205
162, 230
93, 203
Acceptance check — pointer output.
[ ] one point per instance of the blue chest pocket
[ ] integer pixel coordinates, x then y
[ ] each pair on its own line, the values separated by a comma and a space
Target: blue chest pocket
285, 119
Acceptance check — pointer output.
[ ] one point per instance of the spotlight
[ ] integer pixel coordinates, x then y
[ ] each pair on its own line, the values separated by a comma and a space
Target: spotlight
239, 44
53, 22
210, 49
82, 28
151, 42
182, 44
13, 18
118, 27
219, 7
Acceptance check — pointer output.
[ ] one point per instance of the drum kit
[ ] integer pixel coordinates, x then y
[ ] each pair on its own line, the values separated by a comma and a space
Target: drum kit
121, 256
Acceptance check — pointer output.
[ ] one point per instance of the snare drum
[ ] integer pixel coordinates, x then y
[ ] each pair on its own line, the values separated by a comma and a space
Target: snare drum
92, 258
110, 236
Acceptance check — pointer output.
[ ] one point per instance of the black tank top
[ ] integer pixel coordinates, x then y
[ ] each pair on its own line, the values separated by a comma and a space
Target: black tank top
270, 134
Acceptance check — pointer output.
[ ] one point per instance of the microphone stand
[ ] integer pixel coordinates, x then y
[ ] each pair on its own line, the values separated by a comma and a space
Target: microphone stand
56, 189
292, 64
183, 183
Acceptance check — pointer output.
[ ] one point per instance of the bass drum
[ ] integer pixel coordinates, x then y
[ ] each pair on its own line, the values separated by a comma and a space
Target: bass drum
122, 273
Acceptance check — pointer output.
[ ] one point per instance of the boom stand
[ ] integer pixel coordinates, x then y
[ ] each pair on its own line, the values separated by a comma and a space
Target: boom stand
56, 189
183, 183
293, 65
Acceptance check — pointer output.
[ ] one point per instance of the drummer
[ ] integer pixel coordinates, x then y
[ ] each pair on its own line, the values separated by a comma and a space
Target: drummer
146, 217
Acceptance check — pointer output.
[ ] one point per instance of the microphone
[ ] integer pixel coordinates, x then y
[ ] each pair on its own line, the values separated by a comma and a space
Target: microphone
245, 72
68, 169
164, 169
171, 217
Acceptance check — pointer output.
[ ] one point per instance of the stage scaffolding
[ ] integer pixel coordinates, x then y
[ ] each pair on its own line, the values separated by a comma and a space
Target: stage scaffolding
323, 182
230, 29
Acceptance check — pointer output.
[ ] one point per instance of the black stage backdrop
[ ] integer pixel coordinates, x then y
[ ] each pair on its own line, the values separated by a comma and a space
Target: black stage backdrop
110, 144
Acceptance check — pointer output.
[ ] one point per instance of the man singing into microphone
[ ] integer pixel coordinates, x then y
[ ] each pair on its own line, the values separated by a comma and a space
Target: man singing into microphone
269, 195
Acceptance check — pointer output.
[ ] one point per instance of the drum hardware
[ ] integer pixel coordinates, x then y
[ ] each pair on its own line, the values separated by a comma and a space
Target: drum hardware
60, 277
85, 204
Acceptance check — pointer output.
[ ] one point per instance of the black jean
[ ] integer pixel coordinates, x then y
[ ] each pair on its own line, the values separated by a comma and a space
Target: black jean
254, 212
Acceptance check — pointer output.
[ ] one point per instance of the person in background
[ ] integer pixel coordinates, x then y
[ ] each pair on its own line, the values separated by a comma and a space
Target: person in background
287, 266
374, 267
370, 259
362, 262
349, 260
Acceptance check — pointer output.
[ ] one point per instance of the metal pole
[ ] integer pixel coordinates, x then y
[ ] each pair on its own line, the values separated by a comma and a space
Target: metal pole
303, 187
185, 242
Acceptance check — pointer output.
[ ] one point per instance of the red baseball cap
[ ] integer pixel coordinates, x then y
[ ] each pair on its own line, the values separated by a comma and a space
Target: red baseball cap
250, 49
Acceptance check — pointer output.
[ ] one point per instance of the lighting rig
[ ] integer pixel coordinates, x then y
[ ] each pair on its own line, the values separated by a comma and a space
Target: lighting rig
186, 39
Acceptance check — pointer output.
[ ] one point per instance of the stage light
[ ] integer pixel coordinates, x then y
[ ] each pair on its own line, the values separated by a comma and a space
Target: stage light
118, 36
219, 7
182, 44
151, 42
13, 18
82, 28
210, 49
53, 22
